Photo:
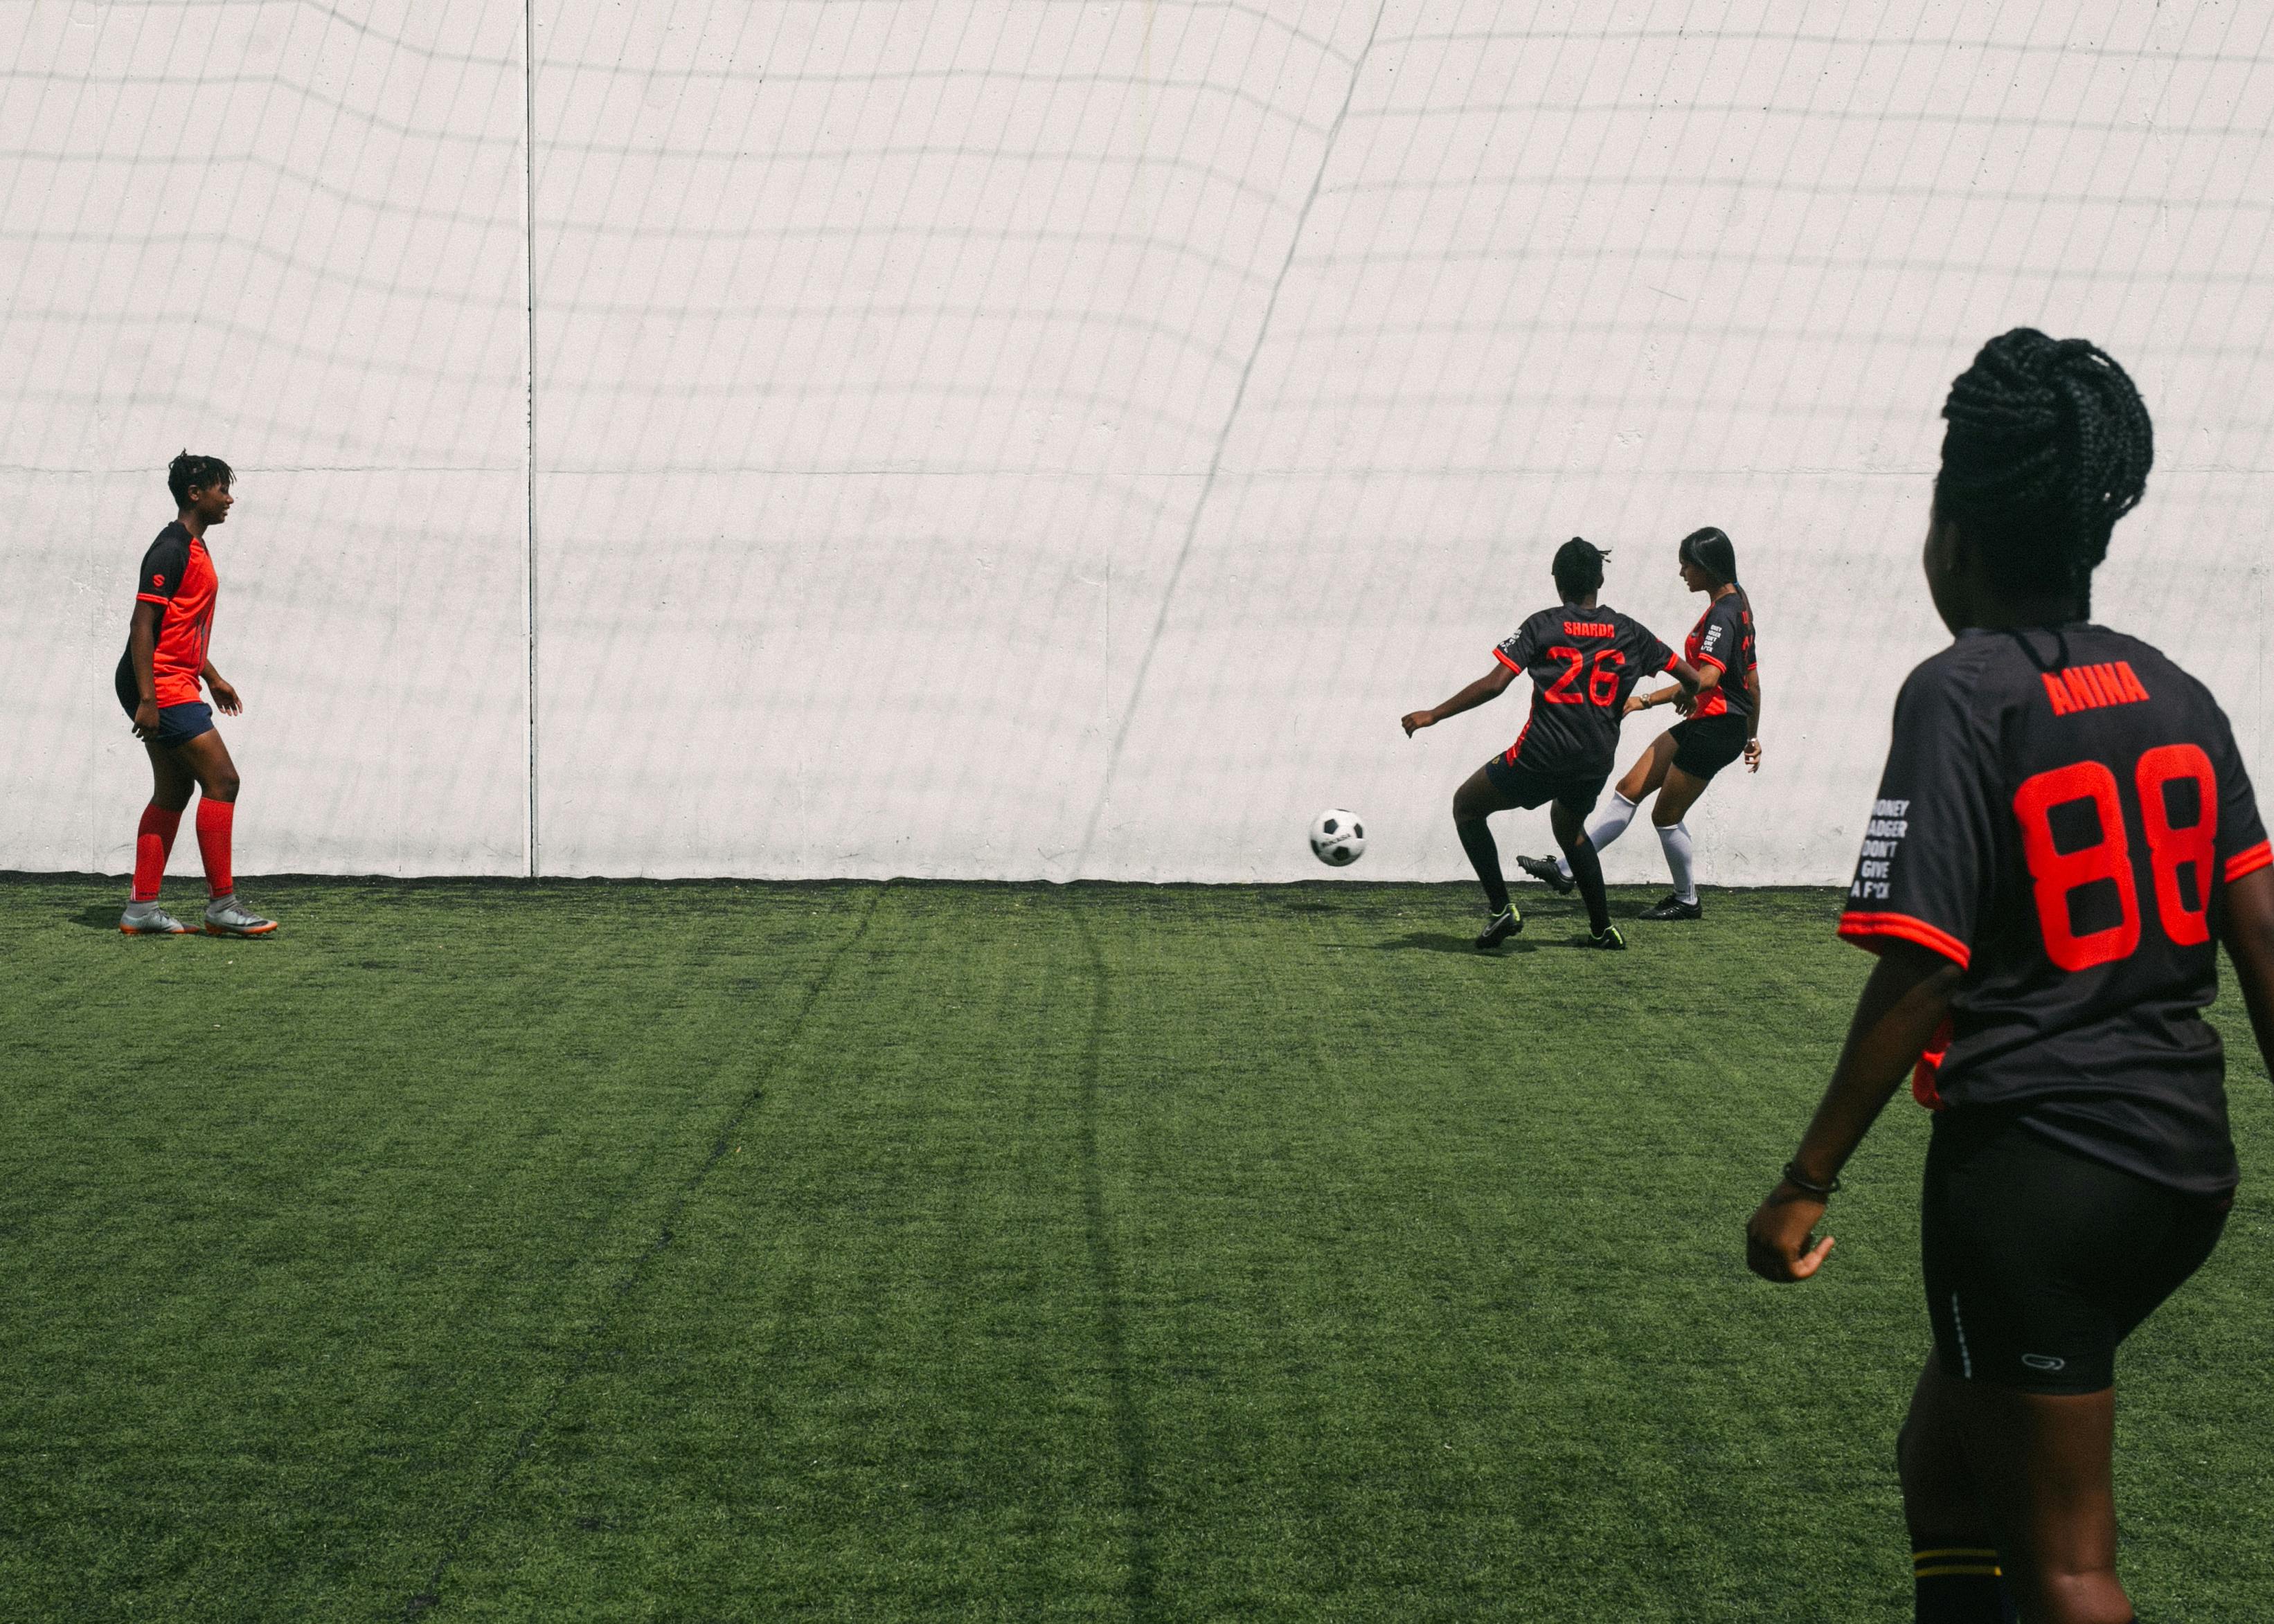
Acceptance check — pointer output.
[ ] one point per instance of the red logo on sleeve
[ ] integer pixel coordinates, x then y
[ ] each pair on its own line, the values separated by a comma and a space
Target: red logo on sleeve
157, 581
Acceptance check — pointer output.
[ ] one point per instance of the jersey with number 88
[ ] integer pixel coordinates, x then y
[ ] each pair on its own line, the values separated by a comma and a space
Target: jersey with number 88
2059, 812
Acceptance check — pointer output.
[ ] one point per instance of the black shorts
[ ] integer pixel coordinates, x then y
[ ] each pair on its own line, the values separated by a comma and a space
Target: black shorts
177, 724
1704, 745
1525, 787
2038, 1261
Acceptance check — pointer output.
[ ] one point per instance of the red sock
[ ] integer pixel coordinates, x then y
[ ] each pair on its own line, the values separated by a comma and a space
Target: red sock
214, 820
153, 840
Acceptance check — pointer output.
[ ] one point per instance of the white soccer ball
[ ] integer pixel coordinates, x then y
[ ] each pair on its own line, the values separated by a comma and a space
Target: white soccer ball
1337, 838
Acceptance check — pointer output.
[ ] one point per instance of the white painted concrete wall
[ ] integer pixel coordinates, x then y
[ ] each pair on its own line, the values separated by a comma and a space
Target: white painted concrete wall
1060, 440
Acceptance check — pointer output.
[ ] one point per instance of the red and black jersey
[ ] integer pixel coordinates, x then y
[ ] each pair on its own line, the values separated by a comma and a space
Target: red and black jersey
1722, 640
177, 576
1583, 663
2058, 814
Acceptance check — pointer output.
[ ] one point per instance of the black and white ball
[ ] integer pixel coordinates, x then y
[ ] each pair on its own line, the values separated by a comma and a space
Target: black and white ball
1337, 838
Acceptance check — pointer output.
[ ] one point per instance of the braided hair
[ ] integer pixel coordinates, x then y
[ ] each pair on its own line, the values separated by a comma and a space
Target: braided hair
1580, 568
2049, 445
191, 472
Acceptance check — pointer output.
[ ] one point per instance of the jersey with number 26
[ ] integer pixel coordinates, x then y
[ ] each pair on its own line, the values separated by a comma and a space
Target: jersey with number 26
2058, 814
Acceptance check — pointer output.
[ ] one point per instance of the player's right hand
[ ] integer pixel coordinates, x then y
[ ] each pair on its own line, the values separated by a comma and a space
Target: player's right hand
146, 719
1414, 719
1780, 1241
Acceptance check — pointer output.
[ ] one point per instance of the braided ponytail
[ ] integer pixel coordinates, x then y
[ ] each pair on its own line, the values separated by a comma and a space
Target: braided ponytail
2048, 446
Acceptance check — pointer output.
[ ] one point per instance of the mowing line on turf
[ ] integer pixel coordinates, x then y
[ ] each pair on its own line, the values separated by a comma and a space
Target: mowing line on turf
1128, 1425
619, 1292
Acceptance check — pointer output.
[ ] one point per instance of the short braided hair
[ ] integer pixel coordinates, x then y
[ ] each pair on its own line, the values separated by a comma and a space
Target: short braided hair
1578, 567
2049, 445
191, 472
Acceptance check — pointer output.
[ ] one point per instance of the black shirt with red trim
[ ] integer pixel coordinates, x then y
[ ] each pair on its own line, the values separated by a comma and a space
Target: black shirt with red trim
1583, 663
1723, 641
2060, 811
177, 576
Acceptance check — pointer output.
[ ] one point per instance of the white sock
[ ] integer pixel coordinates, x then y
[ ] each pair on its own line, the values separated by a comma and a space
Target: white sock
1681, 859
1608, 828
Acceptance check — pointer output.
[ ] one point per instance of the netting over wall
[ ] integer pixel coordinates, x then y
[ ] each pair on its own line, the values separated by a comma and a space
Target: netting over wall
1055, 438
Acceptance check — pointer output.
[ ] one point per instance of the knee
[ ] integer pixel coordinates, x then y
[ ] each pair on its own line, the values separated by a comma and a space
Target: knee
220, 786
1660, 818
171, 800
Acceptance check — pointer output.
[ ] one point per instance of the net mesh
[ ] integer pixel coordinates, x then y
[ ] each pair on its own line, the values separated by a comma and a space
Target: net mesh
1058, 440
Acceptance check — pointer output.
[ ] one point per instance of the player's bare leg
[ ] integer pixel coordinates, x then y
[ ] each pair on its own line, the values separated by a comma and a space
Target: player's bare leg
1642, 780
1476, 799
1678, 792
2037, 1469
171, 785
208, 759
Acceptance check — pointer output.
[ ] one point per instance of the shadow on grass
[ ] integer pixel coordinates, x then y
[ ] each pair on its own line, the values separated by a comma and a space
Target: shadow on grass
102, 916
1439, 942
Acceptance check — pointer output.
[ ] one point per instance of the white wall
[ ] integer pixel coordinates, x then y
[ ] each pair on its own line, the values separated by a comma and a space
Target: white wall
1051, 440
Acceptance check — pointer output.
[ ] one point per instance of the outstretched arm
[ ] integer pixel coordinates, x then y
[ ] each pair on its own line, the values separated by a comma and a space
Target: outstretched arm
2245, 925
1492, 685
1903, 1003
1693, 682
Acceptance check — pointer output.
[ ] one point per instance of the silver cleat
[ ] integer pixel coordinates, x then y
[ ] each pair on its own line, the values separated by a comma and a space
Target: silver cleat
226, 916
148, 918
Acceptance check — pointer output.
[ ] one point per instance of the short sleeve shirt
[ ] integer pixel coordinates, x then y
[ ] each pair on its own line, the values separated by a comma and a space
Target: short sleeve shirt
1583, 663
1723, 640
177, 576
2057, 815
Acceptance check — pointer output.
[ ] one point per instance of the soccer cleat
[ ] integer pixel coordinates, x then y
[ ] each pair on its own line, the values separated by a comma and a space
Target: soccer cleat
1544, 870
1608, 939
225, 916
148, 918
1498, 929
1674, 908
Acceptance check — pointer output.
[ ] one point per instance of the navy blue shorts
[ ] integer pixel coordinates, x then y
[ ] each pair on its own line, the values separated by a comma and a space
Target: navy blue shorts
1525, 787
177, 724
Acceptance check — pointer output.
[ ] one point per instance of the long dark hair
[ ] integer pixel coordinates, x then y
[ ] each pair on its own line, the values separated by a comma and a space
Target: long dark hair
2049, 445
1711, 549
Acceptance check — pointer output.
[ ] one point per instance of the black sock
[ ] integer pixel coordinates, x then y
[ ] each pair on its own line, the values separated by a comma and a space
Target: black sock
1587, 868
1484, 856
1960, 1584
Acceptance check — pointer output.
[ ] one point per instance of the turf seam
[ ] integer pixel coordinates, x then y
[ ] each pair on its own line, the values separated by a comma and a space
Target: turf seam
620, 1291
1112, 1315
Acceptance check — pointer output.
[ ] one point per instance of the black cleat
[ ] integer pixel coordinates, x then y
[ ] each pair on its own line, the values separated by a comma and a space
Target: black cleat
1608, 939
1674, 908
1544, 870
1498, 929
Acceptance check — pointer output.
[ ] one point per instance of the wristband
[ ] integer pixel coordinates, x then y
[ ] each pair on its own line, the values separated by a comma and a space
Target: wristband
1792, 1176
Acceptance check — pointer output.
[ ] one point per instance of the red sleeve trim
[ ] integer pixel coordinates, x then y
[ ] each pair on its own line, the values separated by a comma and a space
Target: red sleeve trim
2259, 856
1864, 929
151, 598
1510, 663
1707, 659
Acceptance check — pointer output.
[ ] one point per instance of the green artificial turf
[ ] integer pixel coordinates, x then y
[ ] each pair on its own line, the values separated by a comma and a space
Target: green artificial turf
718, 1251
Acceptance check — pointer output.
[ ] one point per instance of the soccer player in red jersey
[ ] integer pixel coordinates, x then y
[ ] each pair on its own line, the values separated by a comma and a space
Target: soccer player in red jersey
1583, 659
1722, 724
2063, 837
158, 682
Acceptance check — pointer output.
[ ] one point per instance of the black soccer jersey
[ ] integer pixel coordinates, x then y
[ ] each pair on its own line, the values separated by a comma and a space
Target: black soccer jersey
1583, 663
1723, 639
2058, 813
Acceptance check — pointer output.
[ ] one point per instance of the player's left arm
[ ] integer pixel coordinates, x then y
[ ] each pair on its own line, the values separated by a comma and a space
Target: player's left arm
1693, 682
1753, 720
225, 694
1902, 1005
2245, 926
1489, 686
